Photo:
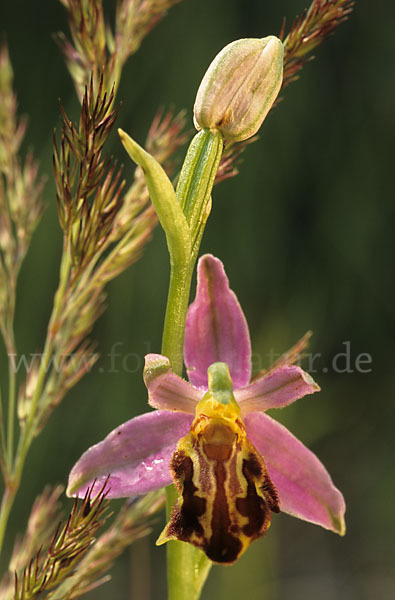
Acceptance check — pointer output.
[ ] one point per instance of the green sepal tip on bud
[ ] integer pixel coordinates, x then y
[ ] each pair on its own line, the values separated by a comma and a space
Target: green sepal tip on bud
197, 179
239, 87
164, 199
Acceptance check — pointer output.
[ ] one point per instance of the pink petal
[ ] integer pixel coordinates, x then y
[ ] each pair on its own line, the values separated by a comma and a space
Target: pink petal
304, 486
136, 455
278, 388
165, 389
216, 328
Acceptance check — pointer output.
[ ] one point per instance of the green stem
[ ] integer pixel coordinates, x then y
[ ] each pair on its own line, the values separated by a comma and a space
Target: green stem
7, 330
11, 415
6, 505
3, 445
176, 311
11, 352
27, 433
187, 566
182, 215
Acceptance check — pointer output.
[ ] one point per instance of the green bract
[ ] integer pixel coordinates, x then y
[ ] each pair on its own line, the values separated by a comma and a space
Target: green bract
163, 198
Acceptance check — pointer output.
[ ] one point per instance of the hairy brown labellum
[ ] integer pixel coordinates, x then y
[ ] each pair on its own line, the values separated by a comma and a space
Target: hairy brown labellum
226, 495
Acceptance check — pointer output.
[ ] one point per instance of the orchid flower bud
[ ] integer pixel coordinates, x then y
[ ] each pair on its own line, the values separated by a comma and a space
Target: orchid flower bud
239, 87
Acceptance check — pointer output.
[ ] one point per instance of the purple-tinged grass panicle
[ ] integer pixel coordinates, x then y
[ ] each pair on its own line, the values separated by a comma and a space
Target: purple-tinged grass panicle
133, 521
231, 158
291, 357
105, 226
86, 55
45, 511
134, 20
95, 48
105, 230
20, 197
77, 557
165, 136
20, 210
88, 185
309, 31
69, 544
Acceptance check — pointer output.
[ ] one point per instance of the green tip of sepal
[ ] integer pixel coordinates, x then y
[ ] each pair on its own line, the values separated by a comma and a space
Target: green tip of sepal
163, 538
339, 525
155, 366
308, 378
77, 480
164, 199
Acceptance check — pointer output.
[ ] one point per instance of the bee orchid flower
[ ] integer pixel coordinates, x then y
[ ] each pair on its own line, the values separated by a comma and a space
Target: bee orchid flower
232, 464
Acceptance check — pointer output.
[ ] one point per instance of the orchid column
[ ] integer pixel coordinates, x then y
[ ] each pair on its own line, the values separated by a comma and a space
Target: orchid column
233, 99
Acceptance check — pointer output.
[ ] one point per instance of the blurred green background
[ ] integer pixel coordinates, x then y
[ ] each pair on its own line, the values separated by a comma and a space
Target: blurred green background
306, 235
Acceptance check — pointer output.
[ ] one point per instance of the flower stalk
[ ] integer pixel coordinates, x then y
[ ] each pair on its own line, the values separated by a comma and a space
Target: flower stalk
183, 215
194, 196
187, 566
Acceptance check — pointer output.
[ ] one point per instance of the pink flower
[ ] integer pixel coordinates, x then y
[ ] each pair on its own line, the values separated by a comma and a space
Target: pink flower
137, 454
